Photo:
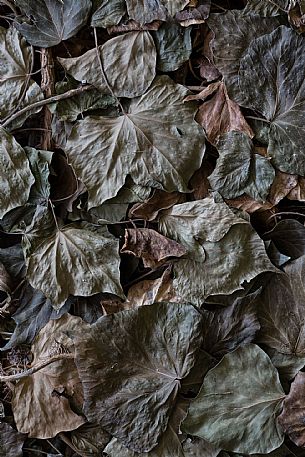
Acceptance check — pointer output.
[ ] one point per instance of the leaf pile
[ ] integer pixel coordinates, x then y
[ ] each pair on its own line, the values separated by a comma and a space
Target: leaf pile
152, 239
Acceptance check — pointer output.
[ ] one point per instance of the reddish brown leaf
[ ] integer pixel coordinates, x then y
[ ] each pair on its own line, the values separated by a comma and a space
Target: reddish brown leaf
133, 26
152, 247
219, 114
298, 192
160, 200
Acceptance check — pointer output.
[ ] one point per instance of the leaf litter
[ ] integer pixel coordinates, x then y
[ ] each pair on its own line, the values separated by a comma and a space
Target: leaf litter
152, 239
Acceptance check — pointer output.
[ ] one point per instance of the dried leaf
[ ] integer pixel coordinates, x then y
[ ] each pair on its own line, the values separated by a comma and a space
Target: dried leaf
157, 143
15, 174
128, 61
238, 170
138, 372
289, 237
159, 200
219, 114
46, 394
16, 59
279, 101
90, 440
52, 21
152, 247
11, 442
233, 32
292, 417
77, 253
238, 403
145, 11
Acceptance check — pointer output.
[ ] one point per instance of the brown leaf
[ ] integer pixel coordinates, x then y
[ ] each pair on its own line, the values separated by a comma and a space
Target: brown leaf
297, 19
199, 181
151, 246
133, 26
292, 418
298, 192
193, 16
41, 402
160, 200
219, 114
145, 293
248, 204
152, 291
282, 186
207, 69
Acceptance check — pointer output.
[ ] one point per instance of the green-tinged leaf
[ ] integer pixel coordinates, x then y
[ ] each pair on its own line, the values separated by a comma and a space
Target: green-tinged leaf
40, 162
239, 170
228, 328
15, 174
193, 223
48, 392
233, 34
128, 61
237, 258
49, 21
11, 442
288, 365
237, 406
33, 313
16, 59
281, 310
70, 108
173, 44
292, 417
108, 13
131, 364
266, 73
78, 259
170, 442
157, 142
145, 11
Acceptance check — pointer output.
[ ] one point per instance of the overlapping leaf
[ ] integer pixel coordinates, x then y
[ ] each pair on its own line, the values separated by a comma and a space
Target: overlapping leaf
79, 259
15, 174
52, 21
131, 364
238, 403
266, 71
11, 442
157, 142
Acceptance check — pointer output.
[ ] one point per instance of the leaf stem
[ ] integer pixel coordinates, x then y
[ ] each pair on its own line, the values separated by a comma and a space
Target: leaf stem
257, 119
103, 71
37, 367
46, 101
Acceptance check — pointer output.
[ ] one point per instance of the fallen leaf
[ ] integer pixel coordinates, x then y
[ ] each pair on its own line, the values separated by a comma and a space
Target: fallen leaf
79, 251
11, 442
108, 13
233, 33
284, 185
16, 58
219, 114
128, 62
194, 16
15, 174
239, 170
159, 200
157, 143
145, 11
90, 440
51, 22
289, 237
266, 60
47, 393
292, 417
153, 248
237, 406
298, 192
140, 372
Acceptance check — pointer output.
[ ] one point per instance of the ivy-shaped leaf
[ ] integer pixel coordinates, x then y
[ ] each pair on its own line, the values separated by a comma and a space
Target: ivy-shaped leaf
78, 259
239, 401
157, 142
131, 365
52, 20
